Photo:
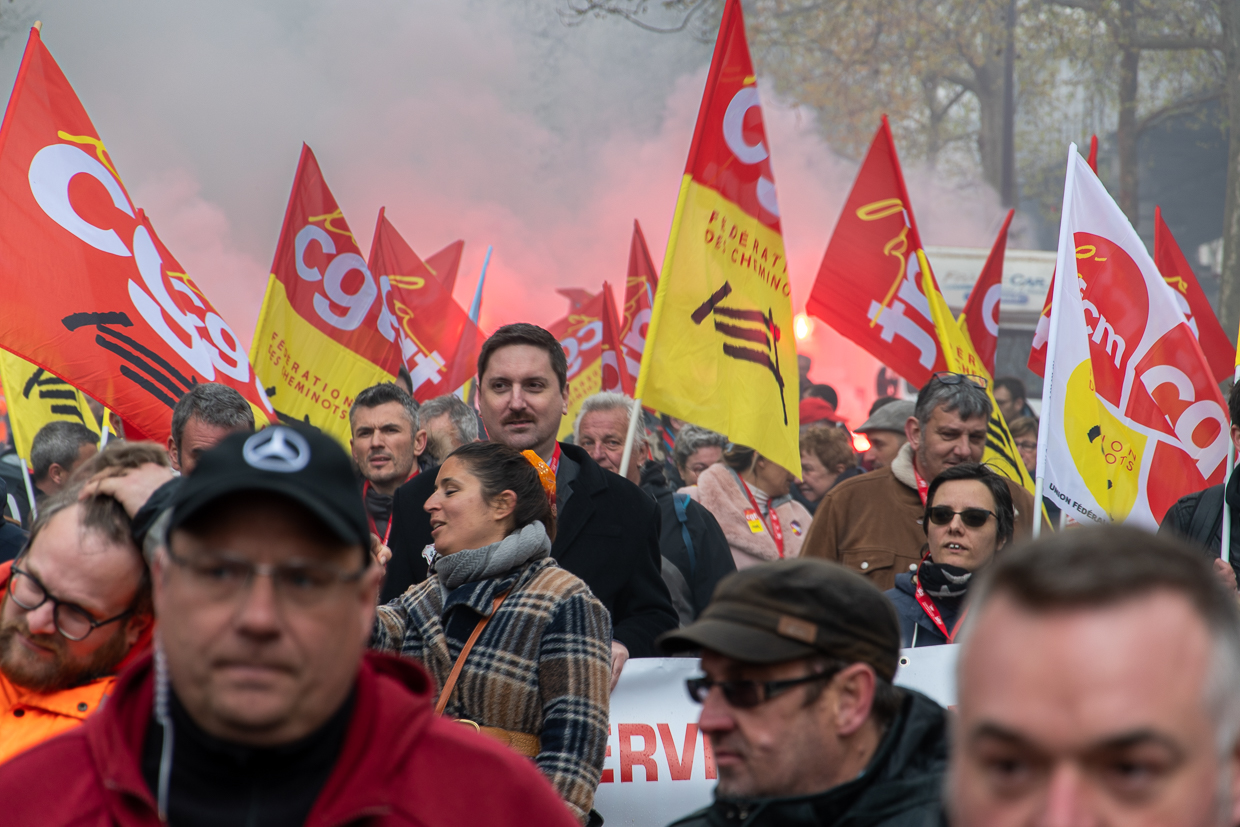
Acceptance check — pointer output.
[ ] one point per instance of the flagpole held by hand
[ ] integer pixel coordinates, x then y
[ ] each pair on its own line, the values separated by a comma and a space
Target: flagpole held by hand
632, 434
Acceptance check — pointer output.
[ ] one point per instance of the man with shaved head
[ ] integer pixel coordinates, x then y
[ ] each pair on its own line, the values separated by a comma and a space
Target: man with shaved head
1097, 685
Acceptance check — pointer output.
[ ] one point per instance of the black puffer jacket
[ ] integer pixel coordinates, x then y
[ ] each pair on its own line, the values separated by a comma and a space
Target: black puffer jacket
712, 558
900, 788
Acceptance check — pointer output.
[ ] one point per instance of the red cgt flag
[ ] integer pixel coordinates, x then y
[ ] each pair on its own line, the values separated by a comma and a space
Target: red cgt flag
1192, 300
588, 336
980, 319
324, 333
445, 264
90, 293
639, 290
438, 341
868, 287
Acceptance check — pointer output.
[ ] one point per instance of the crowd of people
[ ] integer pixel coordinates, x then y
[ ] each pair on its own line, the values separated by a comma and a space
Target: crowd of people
257, 627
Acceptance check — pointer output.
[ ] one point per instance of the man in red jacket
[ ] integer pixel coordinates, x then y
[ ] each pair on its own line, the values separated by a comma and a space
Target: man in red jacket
260, 705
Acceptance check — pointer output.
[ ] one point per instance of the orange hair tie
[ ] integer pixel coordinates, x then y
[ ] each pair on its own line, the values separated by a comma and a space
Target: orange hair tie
545, 475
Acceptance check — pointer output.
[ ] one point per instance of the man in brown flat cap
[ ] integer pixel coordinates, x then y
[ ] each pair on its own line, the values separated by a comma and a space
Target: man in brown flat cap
798, 703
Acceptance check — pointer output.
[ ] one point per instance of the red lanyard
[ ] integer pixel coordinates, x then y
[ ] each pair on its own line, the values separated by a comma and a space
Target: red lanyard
923, 487
554, 463
932, 611
777, 531
374, 529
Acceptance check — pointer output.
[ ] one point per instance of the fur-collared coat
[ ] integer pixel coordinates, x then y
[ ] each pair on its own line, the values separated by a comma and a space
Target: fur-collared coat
719, 490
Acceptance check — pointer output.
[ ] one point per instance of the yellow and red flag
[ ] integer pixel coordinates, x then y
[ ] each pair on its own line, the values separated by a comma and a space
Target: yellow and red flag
90, 294
639, 290
868, 286
35, 398
720, 351
588, 336
325, 332
445, 264
438, 342
980, 319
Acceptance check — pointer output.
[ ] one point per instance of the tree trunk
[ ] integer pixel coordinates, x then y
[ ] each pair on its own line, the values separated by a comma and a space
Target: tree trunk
1007, 189
1126, 132
1229, 289
989, 93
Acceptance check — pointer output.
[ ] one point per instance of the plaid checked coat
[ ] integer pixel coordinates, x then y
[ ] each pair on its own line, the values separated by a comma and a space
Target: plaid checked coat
541, 666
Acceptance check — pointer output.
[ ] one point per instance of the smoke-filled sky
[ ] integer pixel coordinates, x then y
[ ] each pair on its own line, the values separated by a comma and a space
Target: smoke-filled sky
487, 120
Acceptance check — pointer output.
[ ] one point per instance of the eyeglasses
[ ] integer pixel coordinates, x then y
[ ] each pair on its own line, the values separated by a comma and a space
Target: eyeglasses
221, 577
949, 378
972, 517
748, 694
1027, 446
72, 621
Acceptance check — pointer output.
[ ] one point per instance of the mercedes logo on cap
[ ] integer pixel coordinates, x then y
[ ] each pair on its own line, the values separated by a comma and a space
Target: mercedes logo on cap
277, 449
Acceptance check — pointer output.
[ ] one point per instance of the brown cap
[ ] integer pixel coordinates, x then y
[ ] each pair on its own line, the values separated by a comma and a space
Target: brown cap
791, 609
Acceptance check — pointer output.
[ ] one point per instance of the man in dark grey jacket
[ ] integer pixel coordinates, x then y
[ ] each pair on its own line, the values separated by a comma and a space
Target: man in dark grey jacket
1198, 517
804, 722
607, 530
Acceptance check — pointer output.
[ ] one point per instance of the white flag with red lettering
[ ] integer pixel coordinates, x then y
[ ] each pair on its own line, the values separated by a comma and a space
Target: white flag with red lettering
1132, 419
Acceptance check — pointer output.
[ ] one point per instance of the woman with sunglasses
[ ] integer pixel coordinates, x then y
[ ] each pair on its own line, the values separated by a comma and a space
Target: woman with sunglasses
968, 519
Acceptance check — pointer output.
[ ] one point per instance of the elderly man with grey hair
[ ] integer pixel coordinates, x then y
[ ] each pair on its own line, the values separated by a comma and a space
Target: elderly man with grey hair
872, 523
449, 423
695, 551
1097, 685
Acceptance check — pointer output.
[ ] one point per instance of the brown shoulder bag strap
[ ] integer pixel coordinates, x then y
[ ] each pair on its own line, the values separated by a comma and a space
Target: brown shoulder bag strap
450, 683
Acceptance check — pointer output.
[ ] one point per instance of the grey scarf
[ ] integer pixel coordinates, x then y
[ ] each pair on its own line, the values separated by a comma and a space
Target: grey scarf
517, 549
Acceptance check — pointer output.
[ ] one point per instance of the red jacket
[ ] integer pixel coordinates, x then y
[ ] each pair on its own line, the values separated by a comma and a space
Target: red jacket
400, 765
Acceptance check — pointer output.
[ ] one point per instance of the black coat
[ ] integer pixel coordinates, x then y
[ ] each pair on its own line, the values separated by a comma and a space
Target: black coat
712, 557
901, 787
1205, 530
607, 534
916, 627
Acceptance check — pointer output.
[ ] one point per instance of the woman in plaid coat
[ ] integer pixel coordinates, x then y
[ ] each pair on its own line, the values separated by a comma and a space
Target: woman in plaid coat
537, 676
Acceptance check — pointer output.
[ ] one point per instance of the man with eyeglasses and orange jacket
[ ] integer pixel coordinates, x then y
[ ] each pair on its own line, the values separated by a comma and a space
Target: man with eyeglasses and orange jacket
260, 704
872, 523
798, 703
77, 603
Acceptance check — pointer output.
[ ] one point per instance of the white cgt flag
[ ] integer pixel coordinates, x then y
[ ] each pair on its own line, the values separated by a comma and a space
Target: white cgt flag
1131, 417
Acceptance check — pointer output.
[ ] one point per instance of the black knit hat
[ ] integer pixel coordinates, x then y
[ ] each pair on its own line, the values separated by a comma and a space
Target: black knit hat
302, 464
791, 609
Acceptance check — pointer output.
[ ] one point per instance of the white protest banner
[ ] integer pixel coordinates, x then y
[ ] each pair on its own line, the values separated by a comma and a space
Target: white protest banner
659, 767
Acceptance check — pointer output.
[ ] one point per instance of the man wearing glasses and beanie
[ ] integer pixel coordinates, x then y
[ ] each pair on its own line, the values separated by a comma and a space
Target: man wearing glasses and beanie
797, 700
872, 523
261, 705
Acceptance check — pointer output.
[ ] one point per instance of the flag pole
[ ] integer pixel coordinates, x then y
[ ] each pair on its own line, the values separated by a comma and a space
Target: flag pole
1052, 339
34, 509
475, 309
630, 437
1225, 550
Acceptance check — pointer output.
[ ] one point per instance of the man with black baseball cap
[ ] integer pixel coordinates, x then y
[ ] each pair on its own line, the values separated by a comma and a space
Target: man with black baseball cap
798, 703
261, 704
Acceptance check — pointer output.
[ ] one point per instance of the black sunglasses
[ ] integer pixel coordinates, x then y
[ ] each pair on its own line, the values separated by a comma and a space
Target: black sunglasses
748, 694
972, 517
949, 378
